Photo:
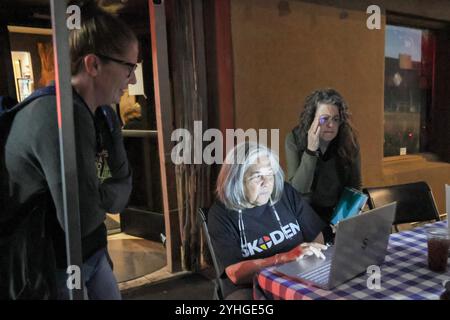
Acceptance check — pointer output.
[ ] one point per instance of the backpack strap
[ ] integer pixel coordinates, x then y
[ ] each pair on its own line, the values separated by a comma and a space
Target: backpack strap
6, 120
6, 103
110, 116
46, 91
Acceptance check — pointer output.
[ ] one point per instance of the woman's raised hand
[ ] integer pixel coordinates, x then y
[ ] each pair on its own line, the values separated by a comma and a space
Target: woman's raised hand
313, 135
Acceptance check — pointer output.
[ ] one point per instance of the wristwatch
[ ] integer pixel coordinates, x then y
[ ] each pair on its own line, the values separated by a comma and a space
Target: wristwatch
313, 153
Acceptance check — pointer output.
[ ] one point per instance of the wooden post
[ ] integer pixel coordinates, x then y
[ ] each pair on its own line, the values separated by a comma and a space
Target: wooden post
164, 122
224, 60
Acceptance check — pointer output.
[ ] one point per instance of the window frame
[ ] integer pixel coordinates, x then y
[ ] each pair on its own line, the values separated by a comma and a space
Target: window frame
441, 152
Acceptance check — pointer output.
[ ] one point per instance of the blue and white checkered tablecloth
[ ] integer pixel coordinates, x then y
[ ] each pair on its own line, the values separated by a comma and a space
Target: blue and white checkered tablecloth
404, 276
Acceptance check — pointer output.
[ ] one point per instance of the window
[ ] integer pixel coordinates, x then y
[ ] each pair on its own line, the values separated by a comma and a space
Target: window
23, 73
408, 88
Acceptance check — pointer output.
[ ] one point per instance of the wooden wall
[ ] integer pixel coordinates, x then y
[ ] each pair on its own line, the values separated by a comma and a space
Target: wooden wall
282, 54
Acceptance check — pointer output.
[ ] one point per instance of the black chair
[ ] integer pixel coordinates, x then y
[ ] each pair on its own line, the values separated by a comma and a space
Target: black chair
415, 201
218, 285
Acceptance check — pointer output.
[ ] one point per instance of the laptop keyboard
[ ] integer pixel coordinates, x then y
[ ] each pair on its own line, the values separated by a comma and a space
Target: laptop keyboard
318, 275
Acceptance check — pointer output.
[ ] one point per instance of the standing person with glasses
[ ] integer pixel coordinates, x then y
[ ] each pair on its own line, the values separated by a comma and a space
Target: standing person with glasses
258, 220
322, 153
131, 66
104, 53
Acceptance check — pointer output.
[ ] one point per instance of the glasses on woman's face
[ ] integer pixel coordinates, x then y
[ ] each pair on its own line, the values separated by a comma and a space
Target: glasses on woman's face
132, 66
326, 120
257, 179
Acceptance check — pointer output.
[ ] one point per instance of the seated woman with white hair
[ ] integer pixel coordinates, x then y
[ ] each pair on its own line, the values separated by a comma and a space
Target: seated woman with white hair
258, 220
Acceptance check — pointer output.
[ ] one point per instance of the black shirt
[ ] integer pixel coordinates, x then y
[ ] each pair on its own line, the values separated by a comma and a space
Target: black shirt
264, 235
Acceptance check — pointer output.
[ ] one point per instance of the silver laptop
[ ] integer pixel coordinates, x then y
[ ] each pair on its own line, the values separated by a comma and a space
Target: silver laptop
447, 202
360, 241
447, 208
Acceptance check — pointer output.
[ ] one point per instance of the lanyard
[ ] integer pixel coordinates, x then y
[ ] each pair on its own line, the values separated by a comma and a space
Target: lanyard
241, 225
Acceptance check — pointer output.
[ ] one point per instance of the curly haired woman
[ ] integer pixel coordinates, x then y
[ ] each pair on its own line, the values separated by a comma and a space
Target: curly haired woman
322, 153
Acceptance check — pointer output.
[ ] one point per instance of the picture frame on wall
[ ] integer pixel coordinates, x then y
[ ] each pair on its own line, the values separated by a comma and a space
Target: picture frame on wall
24, 86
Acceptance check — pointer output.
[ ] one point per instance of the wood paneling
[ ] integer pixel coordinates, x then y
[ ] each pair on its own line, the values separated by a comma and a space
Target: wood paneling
282, 54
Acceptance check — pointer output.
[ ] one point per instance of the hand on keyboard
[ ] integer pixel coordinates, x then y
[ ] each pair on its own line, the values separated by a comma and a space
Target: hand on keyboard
312, 248
304, 249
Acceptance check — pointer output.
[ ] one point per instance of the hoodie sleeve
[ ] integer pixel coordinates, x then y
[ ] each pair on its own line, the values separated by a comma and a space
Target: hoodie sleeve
300, 167
116, 189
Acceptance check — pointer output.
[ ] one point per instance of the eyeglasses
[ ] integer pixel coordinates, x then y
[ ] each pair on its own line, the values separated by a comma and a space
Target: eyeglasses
325, 119
130, 65
258, 178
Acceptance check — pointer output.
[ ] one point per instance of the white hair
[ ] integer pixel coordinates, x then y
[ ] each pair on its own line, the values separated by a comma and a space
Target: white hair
230, 182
